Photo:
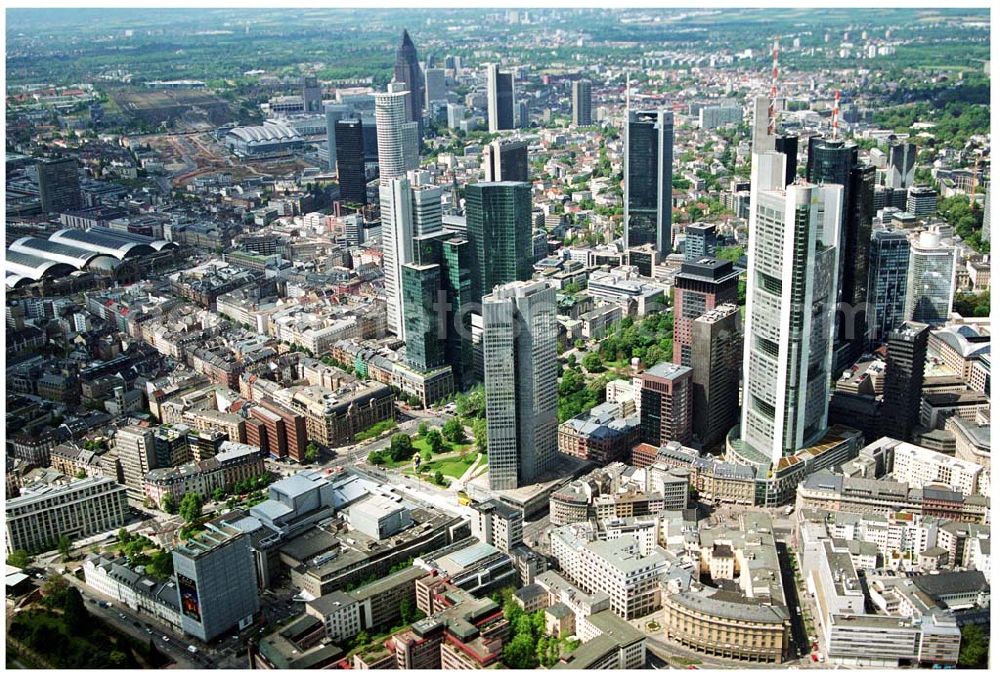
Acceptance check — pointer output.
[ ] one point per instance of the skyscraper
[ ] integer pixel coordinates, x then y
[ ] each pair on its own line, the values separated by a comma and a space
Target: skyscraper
59, 184
333, 112
312, 95
435, 86
666, 399
836, 162
350, 153
699, 241
889, 264
423, 317
499, 98
717, 347
648, 209
398, 144
789, 145
900, 164
498, 220
407, 71
506, 160
762, 140
930, 282
520, 365
582, 102
407, 212
699, 287
791, 299
904, 379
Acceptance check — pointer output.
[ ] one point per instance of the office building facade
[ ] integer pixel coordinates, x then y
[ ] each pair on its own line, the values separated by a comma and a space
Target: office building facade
408, 72
398, 141
700, 286
930, 282
716, 360
666, 401
216, 578
506, 160
904, 379
520, 366
498, 219
349, 144
888, 267
582, 103
648, 211
699, 241
59, 185
499, 98
791, 299
333, 113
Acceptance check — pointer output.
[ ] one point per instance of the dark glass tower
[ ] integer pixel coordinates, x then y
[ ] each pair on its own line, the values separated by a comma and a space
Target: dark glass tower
789, 145
904, 379
836, 162
888, 266
507, 161
498, 222
422, 316
351, 161
649, 143
408, 71
59, 185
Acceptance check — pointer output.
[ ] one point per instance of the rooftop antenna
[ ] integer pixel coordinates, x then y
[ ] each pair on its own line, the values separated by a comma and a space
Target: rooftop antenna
772, 112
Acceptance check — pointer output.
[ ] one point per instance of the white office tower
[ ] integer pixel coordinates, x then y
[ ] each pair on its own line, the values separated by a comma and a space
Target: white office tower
930, 282
334, 112
410, 209
791, 300
398, 140
520, 369
396, 201
762, 140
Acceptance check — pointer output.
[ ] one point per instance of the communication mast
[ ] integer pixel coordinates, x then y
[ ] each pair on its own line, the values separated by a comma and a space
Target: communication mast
772, 112
836, 112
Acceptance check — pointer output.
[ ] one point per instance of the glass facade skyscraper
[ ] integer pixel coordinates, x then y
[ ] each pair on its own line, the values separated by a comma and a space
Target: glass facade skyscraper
889, 263
350, 153
498, 222
648, 209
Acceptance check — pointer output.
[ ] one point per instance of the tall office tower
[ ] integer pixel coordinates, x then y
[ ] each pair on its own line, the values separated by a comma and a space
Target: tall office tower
520, 366
904, 379
408, 72
312, 95
791, 300
930, 281
216, 581
499, 98
717, 350
506, 160
456, 278
666, 398
762, 140
498, 222
699, 241
333, 113
649, 152
436, 90
889, 264
136, 450
397, 138
408, 212
836, 162
59, 185
699, 287
350, 145
900, 164
582, 102
423, 319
